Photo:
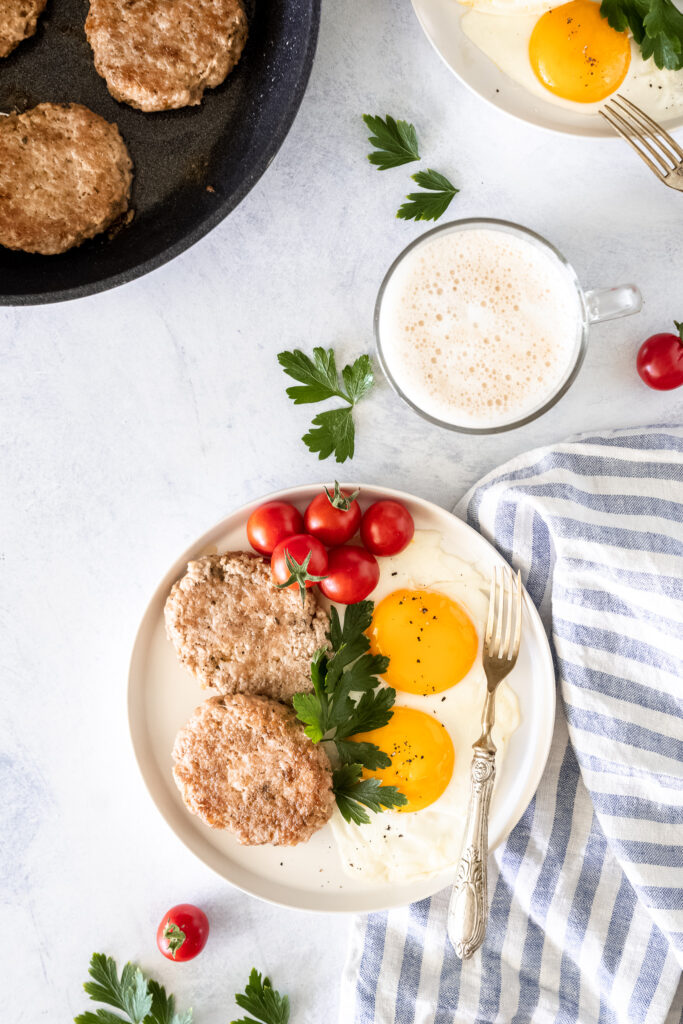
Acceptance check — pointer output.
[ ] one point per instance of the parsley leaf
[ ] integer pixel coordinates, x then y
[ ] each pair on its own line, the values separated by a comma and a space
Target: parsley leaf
333, 431
163, 1007
143, 1000
128, 994
261, 999
335, 711
372, 711
319, 375
353, 793
657, 27
367, 754
395, 142
428, 205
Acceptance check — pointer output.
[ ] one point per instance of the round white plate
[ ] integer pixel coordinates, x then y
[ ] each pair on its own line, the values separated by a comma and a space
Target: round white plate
440, 20
162, 695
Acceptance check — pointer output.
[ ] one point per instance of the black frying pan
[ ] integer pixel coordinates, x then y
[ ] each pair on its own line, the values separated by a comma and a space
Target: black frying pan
192, 166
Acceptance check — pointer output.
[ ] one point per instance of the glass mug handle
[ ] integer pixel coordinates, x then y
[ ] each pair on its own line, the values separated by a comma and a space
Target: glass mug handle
611, 303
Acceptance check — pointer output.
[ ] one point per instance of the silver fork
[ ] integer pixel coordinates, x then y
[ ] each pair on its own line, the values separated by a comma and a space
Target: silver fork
646, 136
468, 908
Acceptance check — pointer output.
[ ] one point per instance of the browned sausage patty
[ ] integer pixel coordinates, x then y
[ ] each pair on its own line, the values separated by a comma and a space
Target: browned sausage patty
245, 764
163, 54
65, 175
18, 20
235, 631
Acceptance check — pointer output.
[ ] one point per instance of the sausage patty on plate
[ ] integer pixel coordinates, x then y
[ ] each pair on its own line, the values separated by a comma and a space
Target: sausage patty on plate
245, 764
18, 21
235, 631
65, 175
163, 54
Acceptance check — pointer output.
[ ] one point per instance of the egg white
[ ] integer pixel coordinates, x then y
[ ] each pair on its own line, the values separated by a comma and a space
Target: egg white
396, 846
501, 30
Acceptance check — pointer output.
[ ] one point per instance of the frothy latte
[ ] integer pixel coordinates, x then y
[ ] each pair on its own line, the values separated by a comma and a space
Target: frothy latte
479, 327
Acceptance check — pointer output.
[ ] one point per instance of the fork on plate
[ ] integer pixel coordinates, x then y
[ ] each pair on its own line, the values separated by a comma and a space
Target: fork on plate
468, 908
647, 137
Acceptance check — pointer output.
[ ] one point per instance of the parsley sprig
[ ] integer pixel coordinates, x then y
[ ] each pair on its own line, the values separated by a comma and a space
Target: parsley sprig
143, 1000
429, 205
347, 699
261, 999
395, 142
333, 430
657, 27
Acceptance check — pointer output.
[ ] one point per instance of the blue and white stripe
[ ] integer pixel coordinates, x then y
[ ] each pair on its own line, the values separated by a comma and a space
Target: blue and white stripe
586, 923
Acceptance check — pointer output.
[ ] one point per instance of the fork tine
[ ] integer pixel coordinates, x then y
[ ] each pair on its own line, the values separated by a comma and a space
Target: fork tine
492, 609
651, 123
627, 136
514, 651
500, 581
643, 138
509, 609
655, 145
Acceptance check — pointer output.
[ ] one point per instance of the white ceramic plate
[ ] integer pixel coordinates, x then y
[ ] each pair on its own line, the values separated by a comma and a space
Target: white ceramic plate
440, 20
162, 695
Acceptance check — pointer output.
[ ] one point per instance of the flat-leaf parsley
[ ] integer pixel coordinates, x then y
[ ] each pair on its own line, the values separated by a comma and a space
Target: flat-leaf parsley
429, 205
395, 142
261, 999
657, 27
347, 699
333, 431
142, 1000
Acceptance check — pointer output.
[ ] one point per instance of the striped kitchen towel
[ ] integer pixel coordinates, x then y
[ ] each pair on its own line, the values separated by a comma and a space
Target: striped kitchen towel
586, 921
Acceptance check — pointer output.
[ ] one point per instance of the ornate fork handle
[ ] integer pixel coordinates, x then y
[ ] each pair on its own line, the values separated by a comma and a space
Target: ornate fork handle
468, 909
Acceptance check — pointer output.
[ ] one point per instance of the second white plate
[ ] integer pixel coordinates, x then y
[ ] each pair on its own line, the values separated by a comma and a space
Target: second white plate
440, 20
162, 696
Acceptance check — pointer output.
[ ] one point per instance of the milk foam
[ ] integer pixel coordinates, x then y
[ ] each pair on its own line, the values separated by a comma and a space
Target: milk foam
479, 327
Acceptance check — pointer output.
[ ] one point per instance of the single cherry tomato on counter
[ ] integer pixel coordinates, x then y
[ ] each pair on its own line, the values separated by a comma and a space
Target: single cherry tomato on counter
300, 561
660, 360
183, 932
333, 518
387, 528
270, 523
352, 574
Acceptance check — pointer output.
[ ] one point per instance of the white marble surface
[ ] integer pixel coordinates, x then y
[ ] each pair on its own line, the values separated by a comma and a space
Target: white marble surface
131, 421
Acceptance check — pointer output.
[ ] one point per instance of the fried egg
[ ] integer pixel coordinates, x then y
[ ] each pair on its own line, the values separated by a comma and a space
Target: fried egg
570, 56
429, 617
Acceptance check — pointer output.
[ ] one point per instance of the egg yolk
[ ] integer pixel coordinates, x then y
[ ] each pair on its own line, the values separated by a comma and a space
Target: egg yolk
576, 54
429, 639
421, 753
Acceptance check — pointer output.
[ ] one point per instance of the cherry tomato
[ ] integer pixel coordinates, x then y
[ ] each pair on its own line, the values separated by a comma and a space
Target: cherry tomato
272, 522
352, 574
333, 518
183, 932
303, 571
660, 360
387, 528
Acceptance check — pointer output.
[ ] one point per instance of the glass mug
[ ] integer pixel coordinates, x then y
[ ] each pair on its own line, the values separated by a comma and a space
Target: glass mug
593, 306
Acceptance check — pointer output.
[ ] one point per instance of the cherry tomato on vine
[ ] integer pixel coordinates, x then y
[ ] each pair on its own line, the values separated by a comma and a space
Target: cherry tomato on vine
352, 574
660, 360
387, 527
300, 561
333, 518
183, 932
271, 523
